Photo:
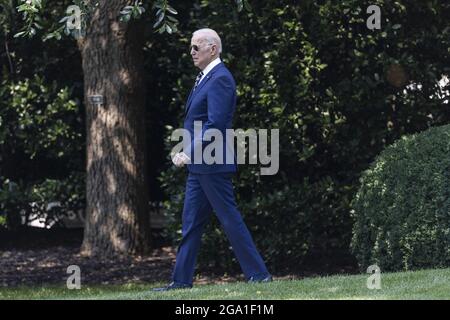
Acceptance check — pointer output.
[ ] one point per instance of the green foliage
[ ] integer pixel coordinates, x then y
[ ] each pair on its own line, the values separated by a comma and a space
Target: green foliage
38, 134
164, 21
402, 210
37, 117
132, 12
22, 202
30, 11
243, 4
7, 10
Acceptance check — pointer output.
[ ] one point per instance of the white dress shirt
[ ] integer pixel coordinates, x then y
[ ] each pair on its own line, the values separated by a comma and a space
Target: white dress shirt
209, 67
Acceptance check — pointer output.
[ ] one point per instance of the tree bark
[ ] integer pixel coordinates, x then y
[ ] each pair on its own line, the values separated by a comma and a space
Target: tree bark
116, 184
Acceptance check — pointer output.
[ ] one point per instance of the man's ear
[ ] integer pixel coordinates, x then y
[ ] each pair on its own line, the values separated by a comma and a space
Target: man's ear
213, 49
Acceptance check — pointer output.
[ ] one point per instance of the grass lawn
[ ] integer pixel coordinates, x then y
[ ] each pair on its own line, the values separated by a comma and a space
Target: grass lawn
422, 284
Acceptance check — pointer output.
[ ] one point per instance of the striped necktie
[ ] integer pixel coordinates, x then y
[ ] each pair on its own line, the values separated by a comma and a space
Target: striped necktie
197, 80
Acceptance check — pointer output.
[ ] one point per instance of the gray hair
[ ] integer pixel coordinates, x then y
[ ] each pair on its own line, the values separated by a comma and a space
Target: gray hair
210, 36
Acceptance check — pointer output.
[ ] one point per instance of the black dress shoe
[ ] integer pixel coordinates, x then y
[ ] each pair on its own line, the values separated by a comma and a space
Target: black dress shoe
173, 286
260, 279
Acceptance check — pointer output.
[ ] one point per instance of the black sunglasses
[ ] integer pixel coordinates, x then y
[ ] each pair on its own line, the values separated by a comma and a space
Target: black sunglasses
196, 48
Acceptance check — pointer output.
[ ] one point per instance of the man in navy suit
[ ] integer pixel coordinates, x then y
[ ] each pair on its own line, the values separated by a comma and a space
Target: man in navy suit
209, 188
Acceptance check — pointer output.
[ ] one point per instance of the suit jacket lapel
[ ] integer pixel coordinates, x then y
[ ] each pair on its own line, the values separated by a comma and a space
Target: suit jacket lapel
200, 86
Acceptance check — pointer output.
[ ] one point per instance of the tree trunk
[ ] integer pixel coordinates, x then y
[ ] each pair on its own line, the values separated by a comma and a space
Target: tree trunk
116, 184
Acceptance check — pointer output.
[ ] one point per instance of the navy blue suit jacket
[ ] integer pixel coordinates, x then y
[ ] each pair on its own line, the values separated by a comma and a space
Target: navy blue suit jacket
213, 103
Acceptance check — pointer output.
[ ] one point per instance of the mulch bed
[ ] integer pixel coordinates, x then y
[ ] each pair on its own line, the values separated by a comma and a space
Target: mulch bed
35, 257
32, 257
49, 266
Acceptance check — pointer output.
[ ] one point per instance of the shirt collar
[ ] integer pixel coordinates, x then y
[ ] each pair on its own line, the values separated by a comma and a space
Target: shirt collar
210, 66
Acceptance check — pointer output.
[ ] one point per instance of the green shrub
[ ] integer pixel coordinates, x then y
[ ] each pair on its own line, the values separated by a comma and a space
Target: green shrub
41, 150
39, 120
47, 201
402, 209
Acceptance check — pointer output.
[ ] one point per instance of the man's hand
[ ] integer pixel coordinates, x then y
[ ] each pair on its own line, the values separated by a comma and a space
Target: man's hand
180, 159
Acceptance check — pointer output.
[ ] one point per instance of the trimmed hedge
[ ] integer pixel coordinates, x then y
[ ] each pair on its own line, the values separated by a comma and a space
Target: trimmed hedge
402, 209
